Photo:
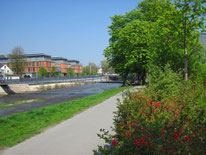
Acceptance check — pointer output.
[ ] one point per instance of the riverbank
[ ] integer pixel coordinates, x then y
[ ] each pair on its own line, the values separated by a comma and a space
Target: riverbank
39, 99
18, 127
28, 88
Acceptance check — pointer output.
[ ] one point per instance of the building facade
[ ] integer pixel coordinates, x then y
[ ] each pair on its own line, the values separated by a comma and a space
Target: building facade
75, 66
34, 62
62, 64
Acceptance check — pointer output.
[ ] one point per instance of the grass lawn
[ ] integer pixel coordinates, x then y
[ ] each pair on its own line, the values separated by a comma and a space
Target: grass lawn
18, 127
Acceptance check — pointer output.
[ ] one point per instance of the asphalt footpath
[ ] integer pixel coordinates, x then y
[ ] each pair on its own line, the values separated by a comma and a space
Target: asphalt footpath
75, 136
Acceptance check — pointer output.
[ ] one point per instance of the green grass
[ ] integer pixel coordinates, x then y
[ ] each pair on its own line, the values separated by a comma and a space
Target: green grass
5, 105
18, 127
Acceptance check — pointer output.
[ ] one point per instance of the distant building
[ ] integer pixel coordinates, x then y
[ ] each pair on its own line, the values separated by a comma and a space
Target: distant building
35, 61
6, 70
61, 64
100, 71
76, 67
203, 39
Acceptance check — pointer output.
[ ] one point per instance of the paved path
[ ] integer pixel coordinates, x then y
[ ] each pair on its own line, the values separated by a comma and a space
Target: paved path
75, 136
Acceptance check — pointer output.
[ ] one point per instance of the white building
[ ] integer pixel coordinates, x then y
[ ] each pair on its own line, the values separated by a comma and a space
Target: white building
6, 70
100, 71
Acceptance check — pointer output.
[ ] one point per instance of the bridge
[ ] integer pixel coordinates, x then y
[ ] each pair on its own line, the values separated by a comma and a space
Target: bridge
31, 85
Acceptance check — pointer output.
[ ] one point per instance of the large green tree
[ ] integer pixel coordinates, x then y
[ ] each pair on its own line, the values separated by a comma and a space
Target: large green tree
17, 59
191, 16
136, 40
149, 34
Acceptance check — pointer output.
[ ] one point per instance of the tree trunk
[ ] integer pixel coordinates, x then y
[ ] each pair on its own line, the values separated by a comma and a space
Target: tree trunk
125, 78
186, 62
185, 50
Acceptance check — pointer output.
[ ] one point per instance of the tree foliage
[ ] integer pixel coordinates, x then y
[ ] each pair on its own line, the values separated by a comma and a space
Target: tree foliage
149, 34
192, 19
17, 59
90, 69
53, 71
70, 72
106, 68
42, 72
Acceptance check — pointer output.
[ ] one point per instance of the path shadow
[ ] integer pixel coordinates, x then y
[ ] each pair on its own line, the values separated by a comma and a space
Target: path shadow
7, 89
106, 146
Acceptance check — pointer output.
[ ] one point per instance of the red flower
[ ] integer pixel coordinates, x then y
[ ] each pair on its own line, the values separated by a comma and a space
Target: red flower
133, 96
171, 124
175, 98
128, 133
153, 118
151, 144
187, 138
168, 101
136, 142
176, 136
149, 105
163, 149
163, 131
142, 140
114, 142
157, 104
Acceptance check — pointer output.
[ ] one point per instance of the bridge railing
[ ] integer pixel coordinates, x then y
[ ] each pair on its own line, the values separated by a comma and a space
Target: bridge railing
57, 80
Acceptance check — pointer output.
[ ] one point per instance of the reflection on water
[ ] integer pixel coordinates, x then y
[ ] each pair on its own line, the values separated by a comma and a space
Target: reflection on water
52, 97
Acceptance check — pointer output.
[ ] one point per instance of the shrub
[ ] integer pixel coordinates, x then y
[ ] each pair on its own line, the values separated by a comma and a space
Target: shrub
164, 83
162, 124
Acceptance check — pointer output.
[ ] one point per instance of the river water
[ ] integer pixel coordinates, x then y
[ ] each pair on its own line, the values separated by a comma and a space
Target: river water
49, 97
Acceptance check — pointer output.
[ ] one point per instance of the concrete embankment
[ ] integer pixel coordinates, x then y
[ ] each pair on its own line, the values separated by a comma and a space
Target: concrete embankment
26, 88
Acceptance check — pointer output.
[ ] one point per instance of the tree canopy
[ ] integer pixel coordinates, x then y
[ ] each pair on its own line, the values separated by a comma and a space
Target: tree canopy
17, 59
149, 34
70, 72
106, 68
42, 72
90, 69
53, 71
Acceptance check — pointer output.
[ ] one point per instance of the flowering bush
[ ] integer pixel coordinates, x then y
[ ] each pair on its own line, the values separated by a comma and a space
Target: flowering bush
169, 126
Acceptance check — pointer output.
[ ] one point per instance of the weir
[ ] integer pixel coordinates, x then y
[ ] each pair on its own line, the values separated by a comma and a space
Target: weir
7, 89
34, 86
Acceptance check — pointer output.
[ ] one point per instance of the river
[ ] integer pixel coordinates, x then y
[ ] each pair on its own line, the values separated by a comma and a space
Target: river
49, 97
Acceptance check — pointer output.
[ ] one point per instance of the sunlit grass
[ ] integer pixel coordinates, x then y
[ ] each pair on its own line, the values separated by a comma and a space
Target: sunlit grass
18, 127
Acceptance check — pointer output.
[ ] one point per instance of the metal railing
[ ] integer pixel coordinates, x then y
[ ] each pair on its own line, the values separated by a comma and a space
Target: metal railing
57, 80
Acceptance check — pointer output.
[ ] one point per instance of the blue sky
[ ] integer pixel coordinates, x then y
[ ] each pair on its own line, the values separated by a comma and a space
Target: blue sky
74, 29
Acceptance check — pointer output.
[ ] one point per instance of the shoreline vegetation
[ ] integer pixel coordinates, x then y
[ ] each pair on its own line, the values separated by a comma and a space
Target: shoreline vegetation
21, 126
